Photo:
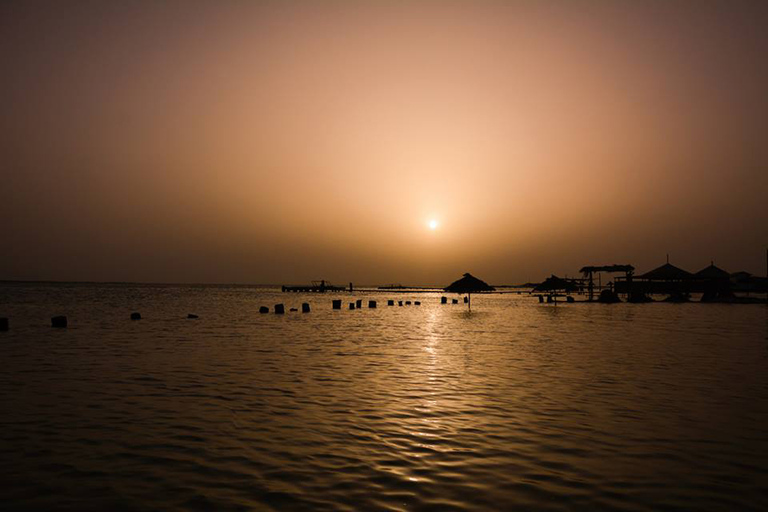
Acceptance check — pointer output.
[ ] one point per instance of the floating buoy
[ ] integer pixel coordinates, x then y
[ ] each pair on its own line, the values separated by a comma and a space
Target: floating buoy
454, 301
407, 303
135, 316
390, 303
399, 303
191, 316
351, 305
263, 309
3, 324
359, 303
371, 304
443, 300
417, 303
337, 304
60, 322
279, 309
305, 308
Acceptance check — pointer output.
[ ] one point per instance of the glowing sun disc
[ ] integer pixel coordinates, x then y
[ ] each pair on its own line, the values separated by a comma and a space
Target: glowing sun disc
432, 224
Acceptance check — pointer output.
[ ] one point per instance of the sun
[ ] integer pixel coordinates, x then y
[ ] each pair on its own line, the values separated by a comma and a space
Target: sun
433, 224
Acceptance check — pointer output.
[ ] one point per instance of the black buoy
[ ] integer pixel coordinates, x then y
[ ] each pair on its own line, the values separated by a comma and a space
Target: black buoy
305, 308
60, 322
541, 299
293, 310
371, 304
407, 303
443, 300
351, 305
359, 303
417, 303
454, 301
279, 309
135, 316
337, 304
399, 303
191, 316
263, 309
390, 303
466, 299
3, 324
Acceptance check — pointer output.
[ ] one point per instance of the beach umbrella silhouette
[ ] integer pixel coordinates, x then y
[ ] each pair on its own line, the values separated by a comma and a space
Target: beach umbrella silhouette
554, 284
469, 284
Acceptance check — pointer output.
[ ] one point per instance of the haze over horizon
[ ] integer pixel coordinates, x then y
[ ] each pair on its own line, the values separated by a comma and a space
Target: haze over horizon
281, 142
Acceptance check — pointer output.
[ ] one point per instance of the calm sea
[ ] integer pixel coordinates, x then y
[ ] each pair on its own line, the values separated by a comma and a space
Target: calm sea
516, 406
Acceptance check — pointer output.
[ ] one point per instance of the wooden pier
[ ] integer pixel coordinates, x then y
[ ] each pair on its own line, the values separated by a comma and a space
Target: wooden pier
321, 286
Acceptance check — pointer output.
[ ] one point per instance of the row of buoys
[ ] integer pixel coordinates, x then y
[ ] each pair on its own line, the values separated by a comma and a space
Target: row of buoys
61, 321
280, 309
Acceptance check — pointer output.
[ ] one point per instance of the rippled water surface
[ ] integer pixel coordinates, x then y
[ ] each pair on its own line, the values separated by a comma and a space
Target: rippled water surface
516, 406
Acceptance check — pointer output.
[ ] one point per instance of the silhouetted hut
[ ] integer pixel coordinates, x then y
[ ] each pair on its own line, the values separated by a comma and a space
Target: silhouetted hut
665, 279
666, 272
469, 284
712, 273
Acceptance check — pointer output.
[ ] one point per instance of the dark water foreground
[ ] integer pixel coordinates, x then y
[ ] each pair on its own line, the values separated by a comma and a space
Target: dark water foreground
518, 406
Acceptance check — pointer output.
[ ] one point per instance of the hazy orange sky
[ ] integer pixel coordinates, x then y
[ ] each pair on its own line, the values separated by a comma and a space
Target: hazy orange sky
279, 142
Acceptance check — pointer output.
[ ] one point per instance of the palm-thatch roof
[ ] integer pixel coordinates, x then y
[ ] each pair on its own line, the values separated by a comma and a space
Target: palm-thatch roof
712, 272
554, 283
666, 272
469, 284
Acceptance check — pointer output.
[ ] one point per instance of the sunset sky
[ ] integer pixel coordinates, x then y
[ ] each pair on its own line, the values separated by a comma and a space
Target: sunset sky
280, 142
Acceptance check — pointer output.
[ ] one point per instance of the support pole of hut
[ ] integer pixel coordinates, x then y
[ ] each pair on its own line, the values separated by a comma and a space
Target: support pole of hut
469, 301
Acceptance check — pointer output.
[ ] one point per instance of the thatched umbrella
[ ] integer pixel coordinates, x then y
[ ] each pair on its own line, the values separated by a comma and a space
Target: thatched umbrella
555, 284
469, 284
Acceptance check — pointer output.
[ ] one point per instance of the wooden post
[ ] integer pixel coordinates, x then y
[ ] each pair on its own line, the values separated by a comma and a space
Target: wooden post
60, 322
